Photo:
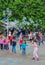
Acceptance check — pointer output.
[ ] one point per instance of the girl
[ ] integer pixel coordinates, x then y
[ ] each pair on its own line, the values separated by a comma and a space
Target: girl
35, 52
6, 43
1, 43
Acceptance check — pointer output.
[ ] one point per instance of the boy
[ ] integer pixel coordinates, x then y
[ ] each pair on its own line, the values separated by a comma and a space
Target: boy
24, 47
14, 45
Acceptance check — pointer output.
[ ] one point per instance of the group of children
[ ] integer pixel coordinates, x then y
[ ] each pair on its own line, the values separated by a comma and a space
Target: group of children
33, 41
4, 42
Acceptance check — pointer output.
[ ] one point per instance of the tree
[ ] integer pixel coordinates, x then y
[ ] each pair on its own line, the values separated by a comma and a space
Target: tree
34, 9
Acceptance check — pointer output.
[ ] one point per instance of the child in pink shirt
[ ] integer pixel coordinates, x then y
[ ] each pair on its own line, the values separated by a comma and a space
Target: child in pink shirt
6, 43
35, 52
1, 42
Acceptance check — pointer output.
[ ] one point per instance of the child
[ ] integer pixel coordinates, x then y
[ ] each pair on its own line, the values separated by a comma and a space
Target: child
21, 38
30, 36
11, 37
35, 52
20, 42
24, 47
1, 43
6, 43
14, 45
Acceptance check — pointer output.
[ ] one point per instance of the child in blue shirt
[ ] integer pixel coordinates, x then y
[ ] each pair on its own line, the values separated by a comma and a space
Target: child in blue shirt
24, 47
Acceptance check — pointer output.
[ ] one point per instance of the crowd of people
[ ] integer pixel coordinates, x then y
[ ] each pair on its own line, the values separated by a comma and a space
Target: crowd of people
35, 38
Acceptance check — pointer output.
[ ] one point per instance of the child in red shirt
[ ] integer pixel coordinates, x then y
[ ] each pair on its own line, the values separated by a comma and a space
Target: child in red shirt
20, 42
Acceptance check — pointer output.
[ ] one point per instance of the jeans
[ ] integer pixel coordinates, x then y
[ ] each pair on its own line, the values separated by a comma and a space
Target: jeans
6, 47
20, 46
23, 51
14, 49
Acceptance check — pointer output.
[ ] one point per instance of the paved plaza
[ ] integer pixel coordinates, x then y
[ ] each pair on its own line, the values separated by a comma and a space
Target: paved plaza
9, 58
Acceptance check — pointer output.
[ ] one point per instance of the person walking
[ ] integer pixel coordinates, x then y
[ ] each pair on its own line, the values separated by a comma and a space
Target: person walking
6, 43
23, 46
14, 45
1, 43
35, 52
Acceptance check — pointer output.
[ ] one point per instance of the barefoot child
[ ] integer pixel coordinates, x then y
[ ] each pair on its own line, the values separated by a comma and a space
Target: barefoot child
35, 52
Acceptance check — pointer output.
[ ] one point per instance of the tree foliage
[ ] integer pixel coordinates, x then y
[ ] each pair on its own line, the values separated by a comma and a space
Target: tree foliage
34, 9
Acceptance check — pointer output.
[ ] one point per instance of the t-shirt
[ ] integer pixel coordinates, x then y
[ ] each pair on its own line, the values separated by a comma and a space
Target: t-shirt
35, 45
13, 43
24, 45
21, 41
11, 38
